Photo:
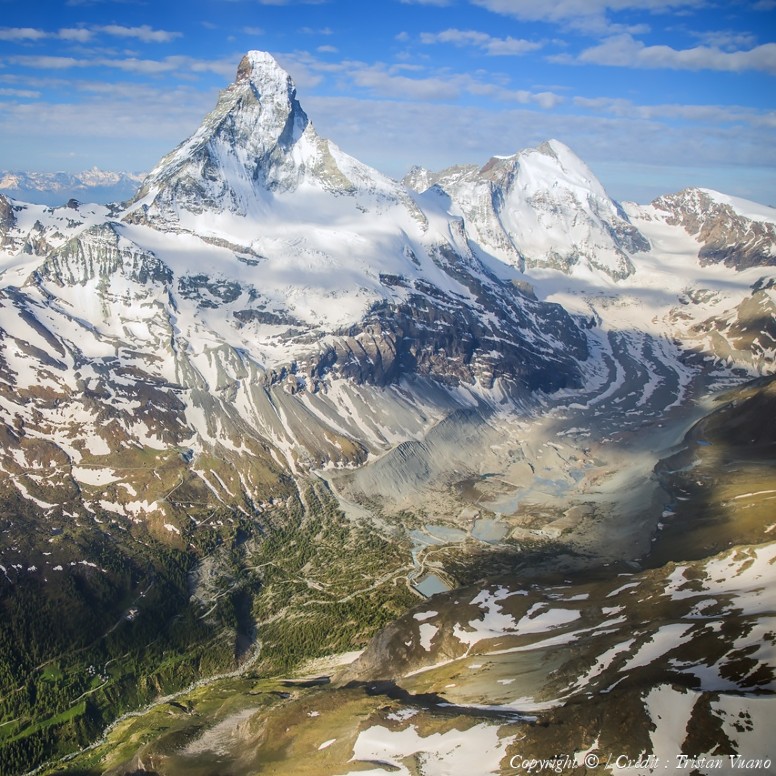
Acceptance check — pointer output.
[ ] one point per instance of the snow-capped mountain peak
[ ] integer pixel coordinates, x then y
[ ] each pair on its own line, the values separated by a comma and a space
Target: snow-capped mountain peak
554, 165
256, 145
540, 207
263, 103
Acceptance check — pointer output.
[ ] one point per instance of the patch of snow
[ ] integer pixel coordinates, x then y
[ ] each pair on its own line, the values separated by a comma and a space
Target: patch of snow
663, 640
94, 476
670, 710
478, 750
427, 633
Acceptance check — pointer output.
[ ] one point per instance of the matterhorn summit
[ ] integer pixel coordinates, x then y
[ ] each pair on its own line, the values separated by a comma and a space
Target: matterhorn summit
255, 146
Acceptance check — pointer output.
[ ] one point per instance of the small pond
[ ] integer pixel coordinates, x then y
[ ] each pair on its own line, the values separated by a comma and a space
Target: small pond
431, 584
488, 530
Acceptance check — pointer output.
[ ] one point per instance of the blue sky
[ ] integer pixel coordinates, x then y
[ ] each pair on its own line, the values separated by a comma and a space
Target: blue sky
654, 95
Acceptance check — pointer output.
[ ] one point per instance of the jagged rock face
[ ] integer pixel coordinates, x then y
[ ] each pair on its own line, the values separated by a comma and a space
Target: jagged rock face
36, 230
100, 252
254, 122
453, 345
420, 179
540, 208
726, 235
744, 334
7, 219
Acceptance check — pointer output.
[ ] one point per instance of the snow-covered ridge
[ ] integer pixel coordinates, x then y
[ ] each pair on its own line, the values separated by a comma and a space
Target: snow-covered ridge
754, 211
729, 230
541, 207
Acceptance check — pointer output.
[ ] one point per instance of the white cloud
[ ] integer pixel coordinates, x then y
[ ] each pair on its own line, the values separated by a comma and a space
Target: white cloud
424, 84
42, 62
380, 81
117, 111
491, 45
76, 34
626, 51
22, 93
33, 81
710, 114
727, 39
113, 125
253, 30
182, 66
546, 100
22, 34
316, 31
143, 33
585, 15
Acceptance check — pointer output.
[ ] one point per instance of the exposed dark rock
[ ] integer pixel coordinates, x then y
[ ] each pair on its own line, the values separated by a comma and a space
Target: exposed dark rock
726, 237
7, 218
97, 252
432, 336
200, 287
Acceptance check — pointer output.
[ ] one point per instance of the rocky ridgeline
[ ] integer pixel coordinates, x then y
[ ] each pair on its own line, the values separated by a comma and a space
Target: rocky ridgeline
726, 236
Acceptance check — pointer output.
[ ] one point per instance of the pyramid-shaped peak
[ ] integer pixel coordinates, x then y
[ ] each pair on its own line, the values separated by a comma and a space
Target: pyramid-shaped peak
561, 155
554, 148
255, 144
256, 61
553, 164
260, 67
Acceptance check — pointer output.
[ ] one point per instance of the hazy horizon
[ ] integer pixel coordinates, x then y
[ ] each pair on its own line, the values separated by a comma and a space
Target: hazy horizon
653, 100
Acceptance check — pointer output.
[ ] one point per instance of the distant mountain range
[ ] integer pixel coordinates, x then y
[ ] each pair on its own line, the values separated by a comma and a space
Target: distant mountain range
56, 188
